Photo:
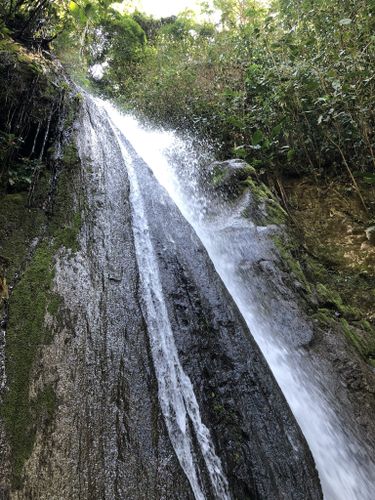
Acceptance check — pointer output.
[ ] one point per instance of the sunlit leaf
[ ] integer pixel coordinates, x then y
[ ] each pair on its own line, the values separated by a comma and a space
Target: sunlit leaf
73, 6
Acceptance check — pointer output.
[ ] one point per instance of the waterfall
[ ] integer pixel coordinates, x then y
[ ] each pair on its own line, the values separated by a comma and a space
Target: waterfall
345, 466
158, 388
176, 395
231, 430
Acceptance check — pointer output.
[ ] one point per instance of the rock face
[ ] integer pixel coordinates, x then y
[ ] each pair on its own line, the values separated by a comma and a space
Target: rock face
227, 176
257, 256
106, 436
249, 221
237, 393
370, 234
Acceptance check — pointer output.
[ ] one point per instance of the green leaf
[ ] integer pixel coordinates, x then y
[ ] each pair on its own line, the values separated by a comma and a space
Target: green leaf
291, 154
369, 178
257, 138
276, 130
73, 6
240, 152
89, 10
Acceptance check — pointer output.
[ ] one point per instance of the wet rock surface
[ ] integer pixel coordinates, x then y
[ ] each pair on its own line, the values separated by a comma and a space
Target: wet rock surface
108, 438
262, 449
285, 301
245, 217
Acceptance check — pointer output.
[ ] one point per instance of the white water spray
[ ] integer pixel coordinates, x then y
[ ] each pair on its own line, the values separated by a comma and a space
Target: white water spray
345, 470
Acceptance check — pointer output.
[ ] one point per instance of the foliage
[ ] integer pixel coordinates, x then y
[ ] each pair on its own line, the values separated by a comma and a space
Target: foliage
37, 23
289, 89
27, 98
33, 20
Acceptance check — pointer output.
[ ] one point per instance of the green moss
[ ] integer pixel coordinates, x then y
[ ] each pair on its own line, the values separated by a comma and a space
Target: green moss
275, 214
332, 311
315, 271
352, 336
26, 333
231, 180
333, 299
328, 296
219, 409
324, 316
362, 337
31, 299
259, 190
53, 305
66, 223
44, 405
18, 226
67, 235
286, 250
336, 293
218, 175
29, 240
9, 46
366, 325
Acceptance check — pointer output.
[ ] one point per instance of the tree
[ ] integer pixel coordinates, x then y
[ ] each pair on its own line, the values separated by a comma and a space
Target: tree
29, 20
236, 12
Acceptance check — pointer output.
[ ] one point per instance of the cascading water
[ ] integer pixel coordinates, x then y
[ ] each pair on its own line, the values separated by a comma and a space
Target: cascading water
227, 420
176, 394
159, 389
345, 465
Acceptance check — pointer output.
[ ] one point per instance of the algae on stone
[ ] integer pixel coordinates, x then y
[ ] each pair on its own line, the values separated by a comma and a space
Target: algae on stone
30, 237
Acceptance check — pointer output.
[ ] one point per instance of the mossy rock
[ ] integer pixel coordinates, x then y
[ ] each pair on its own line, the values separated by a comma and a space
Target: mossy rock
330, 309
362, 338
30, 237
26, 333
265, 208
332, 299
29, 304
19, 225
233, 178
288, 251
30, 120
227, 177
